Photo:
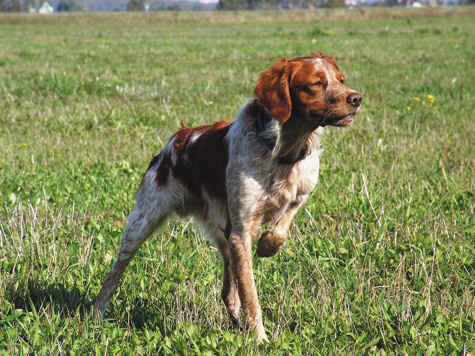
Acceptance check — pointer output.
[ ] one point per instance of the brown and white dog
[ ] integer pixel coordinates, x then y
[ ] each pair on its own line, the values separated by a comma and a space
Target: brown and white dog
233, 177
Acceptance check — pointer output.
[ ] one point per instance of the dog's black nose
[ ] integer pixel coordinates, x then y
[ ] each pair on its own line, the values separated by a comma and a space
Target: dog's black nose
354, 99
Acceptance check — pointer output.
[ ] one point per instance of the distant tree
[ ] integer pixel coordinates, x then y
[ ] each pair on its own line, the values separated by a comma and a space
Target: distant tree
174, 7
336, 3
254, 4
135, 5
11, 6
395, 2
67, 5
228, 5
81, 7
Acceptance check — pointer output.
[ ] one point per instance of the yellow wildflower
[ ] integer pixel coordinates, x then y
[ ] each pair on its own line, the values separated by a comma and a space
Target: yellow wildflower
416, 98
24, 144
314, 40
408, 108
431, 98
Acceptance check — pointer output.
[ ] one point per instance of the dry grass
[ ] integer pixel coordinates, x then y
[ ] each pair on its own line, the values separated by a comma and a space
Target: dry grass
233, 17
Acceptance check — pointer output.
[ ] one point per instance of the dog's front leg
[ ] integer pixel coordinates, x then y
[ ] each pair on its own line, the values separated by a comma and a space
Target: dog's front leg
241, 254
272, 241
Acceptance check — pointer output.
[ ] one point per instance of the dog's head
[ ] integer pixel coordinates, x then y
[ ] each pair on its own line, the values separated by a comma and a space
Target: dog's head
310, 88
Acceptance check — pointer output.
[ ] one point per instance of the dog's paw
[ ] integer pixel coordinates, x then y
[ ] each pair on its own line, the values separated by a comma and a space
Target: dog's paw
262, 340
269, 244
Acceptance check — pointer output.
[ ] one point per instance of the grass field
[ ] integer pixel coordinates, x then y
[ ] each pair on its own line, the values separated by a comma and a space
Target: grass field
382, 259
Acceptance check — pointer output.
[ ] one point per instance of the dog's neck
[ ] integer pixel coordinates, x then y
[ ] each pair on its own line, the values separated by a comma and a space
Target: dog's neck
289, 142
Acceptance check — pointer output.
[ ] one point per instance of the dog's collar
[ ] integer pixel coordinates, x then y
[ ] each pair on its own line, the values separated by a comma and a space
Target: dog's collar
281, 158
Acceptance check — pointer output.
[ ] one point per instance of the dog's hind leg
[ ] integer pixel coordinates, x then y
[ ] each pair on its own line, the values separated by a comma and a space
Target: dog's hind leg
151, 210
229, 291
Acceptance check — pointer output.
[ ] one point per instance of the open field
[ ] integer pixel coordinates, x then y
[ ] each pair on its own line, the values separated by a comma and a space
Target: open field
381, 261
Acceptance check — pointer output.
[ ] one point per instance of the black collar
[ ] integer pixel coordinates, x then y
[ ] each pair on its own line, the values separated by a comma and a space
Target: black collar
281, 158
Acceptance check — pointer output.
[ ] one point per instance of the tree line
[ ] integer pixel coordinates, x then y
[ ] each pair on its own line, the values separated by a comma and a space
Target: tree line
154, 5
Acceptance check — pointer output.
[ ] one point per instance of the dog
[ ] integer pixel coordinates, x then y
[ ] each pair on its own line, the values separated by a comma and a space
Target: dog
234, 177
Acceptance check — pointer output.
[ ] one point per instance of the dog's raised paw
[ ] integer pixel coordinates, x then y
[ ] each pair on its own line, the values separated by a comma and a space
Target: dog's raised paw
269, 244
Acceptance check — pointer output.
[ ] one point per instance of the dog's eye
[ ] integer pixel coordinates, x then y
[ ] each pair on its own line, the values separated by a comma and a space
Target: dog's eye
342, 81
317, 84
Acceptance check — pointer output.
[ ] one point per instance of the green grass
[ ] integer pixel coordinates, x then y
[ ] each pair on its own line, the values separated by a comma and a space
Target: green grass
381, 261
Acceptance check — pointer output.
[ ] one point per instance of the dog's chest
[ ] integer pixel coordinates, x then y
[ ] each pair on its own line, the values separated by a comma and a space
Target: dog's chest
292, 185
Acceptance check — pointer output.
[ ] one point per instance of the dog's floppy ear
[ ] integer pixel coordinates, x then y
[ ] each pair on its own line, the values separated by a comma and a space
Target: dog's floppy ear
272, 91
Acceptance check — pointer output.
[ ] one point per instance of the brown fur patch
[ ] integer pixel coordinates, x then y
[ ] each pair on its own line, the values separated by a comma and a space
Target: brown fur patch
202, 161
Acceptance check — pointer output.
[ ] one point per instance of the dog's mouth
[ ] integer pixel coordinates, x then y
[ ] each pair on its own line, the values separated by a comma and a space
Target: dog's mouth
333, 119
344, 121
341, 121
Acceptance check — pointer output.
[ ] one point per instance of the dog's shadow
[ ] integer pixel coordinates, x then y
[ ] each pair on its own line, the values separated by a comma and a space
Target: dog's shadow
35, 296
71, 301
